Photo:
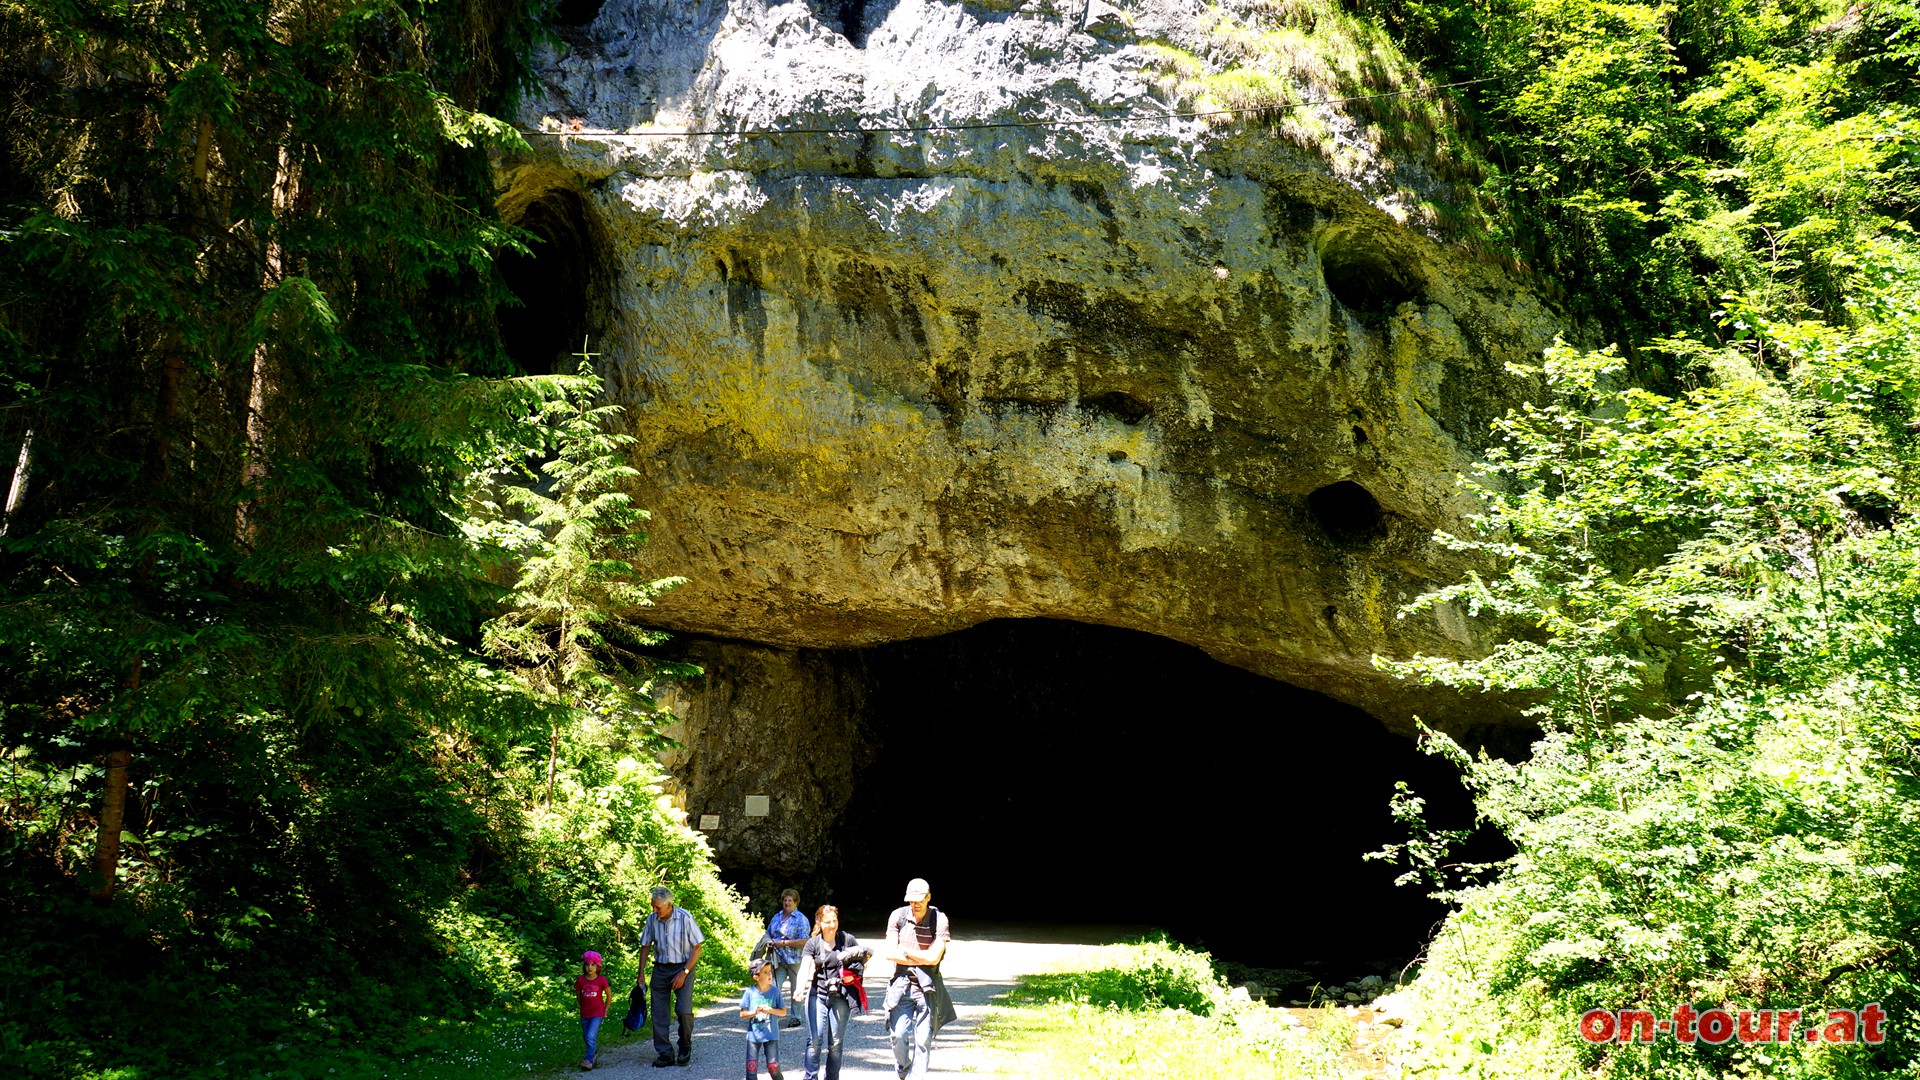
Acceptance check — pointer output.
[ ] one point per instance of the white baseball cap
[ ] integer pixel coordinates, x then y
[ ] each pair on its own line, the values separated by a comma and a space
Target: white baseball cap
917, 889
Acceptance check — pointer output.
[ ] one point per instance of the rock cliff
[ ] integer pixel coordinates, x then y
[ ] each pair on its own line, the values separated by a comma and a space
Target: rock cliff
1059, 352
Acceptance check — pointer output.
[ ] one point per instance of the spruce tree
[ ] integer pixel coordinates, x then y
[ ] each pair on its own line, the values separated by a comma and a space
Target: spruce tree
248, 362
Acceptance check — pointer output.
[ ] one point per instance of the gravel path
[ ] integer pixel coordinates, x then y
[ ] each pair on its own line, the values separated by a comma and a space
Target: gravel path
980, 967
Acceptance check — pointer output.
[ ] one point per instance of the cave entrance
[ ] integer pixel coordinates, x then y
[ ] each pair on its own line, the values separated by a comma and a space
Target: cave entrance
1082, 774
558, 283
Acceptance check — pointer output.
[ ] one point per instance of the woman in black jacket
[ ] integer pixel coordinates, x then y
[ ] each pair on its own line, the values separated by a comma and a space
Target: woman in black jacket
834, 953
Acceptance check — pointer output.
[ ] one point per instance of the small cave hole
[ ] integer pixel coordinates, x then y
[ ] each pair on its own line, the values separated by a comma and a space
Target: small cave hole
1359, 435
1366, 281
849, 15
1116, 456
1122, 407
853, 18
1346, 512
576, 12
555, 285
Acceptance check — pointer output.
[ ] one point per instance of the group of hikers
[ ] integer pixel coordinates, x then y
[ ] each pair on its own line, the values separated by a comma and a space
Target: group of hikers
917, 1003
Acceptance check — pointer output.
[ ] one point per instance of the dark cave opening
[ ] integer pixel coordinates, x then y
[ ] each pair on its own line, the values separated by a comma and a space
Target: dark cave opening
1040, 771
1346, 511
1121, 406
1364, 281
555, 283
847, 16
576, 12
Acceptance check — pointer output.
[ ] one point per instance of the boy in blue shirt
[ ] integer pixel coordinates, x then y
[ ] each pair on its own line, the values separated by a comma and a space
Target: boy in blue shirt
758, 1006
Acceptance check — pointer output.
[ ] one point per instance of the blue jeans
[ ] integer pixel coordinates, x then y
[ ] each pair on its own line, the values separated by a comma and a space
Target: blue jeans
665, 1000
910, 1026
786, 977
590, 1030
826, 1033
768, 1052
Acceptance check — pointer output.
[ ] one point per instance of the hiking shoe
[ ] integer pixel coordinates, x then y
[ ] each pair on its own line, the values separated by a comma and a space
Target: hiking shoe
662, 1061
685, 1058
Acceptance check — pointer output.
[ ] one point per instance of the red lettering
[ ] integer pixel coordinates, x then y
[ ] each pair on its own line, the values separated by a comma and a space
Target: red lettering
1683, 1023
1785, 1019
1840, 1026
1755, 1026
1596, 1026
1631, 1019
1716, 1026
1870, 1018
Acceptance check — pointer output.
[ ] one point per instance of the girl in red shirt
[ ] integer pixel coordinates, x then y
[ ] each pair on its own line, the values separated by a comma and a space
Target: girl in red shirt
593, 990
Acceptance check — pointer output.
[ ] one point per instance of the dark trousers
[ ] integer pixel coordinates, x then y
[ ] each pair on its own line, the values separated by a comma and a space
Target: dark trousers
664, 995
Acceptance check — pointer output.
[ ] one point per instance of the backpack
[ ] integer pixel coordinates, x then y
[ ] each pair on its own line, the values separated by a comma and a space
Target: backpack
636, 1006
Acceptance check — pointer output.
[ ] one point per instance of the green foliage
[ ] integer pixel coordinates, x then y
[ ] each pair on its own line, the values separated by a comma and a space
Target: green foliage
1711, 598
1155, 1008
1704, 593
1650, 158
568, 630
247, 331
1153, 973
1253, 63
603, 835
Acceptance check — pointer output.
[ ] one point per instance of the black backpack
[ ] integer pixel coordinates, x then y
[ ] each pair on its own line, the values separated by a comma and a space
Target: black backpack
636, 1006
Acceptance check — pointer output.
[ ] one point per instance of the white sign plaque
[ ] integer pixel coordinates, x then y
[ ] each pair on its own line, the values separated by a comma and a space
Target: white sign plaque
709, 822
759, 805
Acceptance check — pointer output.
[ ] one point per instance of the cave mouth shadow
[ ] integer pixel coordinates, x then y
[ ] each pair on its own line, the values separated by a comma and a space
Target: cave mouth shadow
560, 283
1043, 771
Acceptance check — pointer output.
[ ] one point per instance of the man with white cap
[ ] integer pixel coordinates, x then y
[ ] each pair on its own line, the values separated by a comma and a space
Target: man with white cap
675, 941
917, 1001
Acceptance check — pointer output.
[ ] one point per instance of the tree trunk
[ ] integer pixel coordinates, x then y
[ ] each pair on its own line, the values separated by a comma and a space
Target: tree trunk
255, 467
113, 809
113, 815
17, 491
553, 758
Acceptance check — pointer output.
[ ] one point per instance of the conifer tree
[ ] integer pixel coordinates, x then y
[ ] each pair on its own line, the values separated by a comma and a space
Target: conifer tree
244, 284
248, 361
569, 630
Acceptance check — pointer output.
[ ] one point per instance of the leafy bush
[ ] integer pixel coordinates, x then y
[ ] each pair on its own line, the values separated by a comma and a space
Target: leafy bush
1152, 1007
1703, 585
1722, 810
1151, 973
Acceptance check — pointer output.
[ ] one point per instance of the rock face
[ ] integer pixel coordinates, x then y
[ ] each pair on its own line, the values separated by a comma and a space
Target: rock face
1133, 371
791, 724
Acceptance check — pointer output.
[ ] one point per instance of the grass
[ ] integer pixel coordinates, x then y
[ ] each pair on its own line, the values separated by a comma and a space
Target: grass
1153, 1008
539, 1038
1276, 54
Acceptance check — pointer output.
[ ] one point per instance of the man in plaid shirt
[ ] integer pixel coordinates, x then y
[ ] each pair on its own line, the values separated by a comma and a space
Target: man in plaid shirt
674, 940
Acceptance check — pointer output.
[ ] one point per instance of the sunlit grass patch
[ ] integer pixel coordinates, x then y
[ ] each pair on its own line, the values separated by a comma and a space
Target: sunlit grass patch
1155, 1009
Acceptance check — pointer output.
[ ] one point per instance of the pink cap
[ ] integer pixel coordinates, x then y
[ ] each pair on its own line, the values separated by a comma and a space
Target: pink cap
590, 957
